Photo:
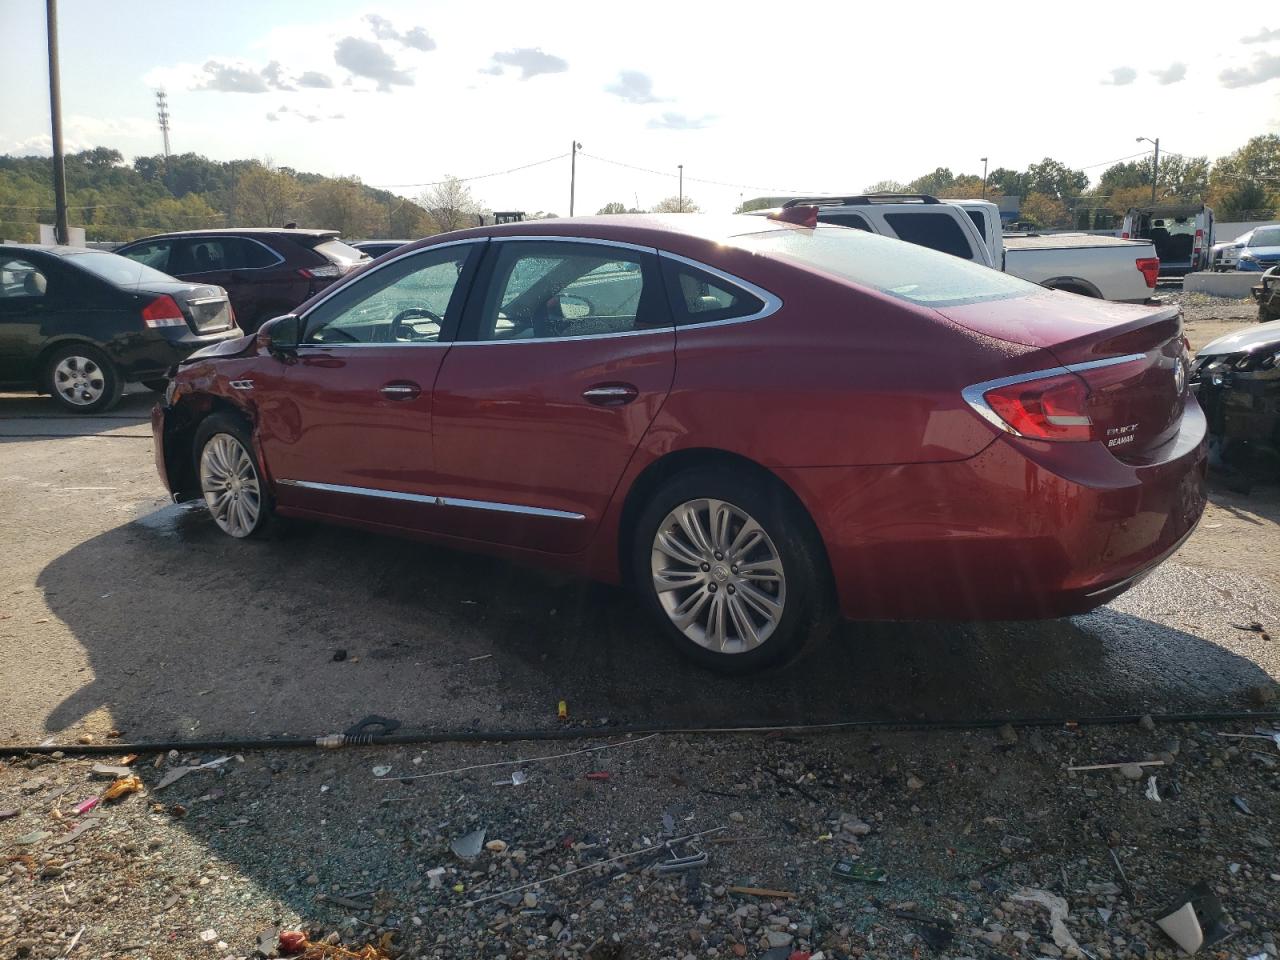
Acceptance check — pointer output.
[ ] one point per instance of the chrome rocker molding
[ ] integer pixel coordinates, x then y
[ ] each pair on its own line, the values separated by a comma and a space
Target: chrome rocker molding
434, 501
975, 395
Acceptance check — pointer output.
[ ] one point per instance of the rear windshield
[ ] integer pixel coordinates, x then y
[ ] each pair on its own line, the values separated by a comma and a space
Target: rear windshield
338, 252
117, 269
1265, 237
903, 270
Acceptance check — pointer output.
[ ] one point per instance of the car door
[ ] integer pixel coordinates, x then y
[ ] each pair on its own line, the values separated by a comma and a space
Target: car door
226, 262
348, 431
566, 353
25, 303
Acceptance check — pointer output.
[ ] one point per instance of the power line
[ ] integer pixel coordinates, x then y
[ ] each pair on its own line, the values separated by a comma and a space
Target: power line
718, 183
481, 176
1107, 163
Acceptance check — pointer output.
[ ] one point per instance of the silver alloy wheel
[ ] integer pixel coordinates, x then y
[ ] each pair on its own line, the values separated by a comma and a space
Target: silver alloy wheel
718, 575
230, 485
79, 380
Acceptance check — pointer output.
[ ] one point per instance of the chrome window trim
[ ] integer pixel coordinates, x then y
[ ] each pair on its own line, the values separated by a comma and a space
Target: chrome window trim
622, 244
389, 343
772, 302
431, 500
975, 394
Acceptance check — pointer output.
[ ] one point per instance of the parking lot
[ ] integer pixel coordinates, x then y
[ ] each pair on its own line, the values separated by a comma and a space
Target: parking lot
182, 632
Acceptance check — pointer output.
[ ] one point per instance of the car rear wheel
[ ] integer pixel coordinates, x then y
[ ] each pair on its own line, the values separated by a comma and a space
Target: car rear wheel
230, 479
732, 569
83, 379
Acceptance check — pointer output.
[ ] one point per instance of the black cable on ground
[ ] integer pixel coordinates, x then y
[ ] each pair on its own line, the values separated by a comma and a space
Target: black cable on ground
333, 741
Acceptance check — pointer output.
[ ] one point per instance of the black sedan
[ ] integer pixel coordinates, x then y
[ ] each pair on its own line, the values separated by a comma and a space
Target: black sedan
78, 324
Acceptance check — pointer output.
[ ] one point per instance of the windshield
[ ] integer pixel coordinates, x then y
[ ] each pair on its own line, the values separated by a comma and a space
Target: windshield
1265, 237
118, 270
903, 270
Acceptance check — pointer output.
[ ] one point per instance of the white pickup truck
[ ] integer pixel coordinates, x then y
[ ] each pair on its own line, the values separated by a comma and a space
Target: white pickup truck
1094, 266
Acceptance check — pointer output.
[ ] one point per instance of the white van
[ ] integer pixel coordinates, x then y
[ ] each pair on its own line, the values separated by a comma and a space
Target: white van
1182, 234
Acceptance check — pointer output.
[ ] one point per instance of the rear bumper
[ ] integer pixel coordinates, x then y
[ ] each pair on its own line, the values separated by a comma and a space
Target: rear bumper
159, 413
1022, 530
150, 355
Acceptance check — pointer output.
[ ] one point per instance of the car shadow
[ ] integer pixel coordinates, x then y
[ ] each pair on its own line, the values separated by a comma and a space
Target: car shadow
28, 416
191, 634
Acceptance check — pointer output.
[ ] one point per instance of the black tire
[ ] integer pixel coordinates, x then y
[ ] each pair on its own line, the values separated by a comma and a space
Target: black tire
81, 363
156, 386
219, 427
807, 608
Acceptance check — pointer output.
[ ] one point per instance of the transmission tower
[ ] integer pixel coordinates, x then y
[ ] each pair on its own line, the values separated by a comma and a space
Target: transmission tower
162, 114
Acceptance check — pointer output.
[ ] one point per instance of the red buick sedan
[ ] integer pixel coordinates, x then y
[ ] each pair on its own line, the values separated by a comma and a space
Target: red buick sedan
755, 423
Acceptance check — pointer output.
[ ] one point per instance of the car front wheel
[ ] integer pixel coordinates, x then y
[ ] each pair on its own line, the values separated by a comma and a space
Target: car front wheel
732, 570
230, 479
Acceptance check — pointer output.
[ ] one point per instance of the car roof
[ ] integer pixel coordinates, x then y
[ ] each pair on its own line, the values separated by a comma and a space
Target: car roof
668, 231
239, 231
56, 250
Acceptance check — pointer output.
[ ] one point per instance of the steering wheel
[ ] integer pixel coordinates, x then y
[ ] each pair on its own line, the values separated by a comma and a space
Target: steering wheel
402, 330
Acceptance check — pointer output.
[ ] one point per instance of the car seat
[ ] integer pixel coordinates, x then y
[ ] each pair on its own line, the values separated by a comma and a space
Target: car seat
35, 284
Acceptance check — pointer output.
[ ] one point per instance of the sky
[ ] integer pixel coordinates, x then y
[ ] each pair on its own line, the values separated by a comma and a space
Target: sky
762, 98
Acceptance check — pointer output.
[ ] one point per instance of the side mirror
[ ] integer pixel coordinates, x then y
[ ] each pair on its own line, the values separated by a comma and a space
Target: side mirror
279, 337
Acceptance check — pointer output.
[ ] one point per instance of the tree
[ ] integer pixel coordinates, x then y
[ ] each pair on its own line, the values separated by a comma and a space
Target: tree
967, 186
340, 204
886, 186
265, 197
1247, 179
616, 207
1054, 179
1043, 210
676, 205
1184, 177
450, 204
933, 183
1005, 181
408, 221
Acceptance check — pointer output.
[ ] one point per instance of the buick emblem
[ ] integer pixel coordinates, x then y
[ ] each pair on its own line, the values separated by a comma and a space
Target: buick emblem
1179, 377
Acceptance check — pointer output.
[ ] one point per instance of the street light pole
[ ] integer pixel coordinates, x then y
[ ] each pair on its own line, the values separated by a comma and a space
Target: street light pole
984, 177
573, 172
681, 200
55, 113
1155, 164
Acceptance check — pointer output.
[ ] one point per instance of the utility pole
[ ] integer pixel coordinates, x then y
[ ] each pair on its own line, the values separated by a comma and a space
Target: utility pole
984, 177
573, 172
55, 113
162, 114
1155, 164
681, 200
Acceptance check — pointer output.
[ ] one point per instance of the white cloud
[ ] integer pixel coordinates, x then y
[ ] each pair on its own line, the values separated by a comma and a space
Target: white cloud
1173, 73
1121, 76
530, 61
415, 37
633, 87
680, 121
1266, 66
232, 78
367, 59
314, 78
1262, 36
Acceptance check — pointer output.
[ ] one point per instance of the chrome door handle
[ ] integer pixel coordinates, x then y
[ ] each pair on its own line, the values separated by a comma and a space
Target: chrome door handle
400, 391
611, 394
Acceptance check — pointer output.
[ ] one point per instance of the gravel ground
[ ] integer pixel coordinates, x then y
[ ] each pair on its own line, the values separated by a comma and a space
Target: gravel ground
962, 823
1207, 318
124, 612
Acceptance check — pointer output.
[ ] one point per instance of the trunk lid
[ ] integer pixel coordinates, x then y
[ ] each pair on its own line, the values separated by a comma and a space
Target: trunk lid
206, 308
1133, 359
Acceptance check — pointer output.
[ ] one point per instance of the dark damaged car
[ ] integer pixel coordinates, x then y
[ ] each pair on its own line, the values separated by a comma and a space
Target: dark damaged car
1237, 379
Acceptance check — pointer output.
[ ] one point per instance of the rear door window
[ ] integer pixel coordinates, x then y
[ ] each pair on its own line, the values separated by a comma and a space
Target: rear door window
213, 254
21, 280
539, 290
854, 220
154, 254
979, 218
937, 231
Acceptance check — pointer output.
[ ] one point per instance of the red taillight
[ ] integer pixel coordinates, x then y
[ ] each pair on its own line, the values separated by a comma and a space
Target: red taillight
1049, 408
805, 216
1125, 235
163, 311
1149, 267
